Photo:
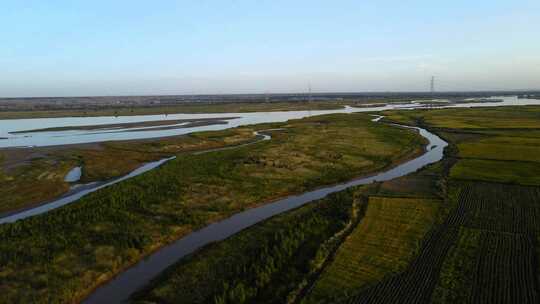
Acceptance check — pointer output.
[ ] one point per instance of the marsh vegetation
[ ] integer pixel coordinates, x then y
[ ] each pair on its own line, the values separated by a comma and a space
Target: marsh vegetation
462, 230
33, 176
63, 254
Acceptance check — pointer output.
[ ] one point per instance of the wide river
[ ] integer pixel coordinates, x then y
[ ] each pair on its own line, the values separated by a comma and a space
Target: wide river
122, 286
51, 138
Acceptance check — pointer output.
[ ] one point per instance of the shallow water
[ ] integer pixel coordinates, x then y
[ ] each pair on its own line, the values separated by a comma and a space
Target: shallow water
50, 138
78, 192
119, 289
126, 283
73, 175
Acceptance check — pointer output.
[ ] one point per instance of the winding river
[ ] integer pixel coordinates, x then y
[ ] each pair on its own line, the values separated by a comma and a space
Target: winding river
122, 286
78, 191
126, 283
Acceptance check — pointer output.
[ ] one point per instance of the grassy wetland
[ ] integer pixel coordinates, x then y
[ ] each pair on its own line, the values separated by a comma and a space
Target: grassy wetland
34, 176
146, 105
194, 107
262, 264
62, 255
463, 230
387, 230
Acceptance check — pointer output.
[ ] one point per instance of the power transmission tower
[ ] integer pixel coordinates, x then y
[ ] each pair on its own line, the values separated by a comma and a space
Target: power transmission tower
432, 90
310, 98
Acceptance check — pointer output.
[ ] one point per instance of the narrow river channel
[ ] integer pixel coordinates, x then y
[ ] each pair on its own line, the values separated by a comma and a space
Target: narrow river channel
79, 191
126, 283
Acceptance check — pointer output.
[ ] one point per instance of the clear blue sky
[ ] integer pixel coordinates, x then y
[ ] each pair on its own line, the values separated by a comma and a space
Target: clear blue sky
70, 48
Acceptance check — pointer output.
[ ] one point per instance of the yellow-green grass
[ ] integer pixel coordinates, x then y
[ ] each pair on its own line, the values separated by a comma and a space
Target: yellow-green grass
34, 181
137, 216
197, 107
27, 180
403, 117
422, 184
114, 159
225, 107
515, 172
502, 148
499, 144
383, 244
521, 133
474, 118
456, 276
492, 258
299, 159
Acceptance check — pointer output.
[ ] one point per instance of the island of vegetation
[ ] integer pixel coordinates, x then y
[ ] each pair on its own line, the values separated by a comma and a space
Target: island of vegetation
35, 176
62, 255
137, 126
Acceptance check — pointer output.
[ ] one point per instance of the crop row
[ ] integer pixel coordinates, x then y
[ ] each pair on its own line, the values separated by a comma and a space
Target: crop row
383, 243
505, 208
505, 271
506, 217
415, 284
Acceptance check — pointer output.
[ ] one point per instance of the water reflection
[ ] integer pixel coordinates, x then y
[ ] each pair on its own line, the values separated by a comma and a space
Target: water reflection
50, 138
73, 175
78, 192
120, 288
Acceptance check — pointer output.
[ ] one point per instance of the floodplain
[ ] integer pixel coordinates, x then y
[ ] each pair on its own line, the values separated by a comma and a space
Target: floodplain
464, 229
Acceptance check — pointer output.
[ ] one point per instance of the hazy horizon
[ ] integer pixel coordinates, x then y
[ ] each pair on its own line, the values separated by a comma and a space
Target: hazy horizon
473, 92
241, 47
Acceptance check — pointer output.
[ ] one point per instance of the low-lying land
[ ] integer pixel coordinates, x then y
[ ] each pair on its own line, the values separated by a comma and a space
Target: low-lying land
486, 250
380, 239
33, 176
62, 255
494, 144
13, 108
383, 244
494, 258
261, 264
142, 125
454, 232
188, 108
464, 230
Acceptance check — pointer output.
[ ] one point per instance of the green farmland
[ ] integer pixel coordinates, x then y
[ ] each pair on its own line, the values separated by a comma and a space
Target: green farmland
464, 230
